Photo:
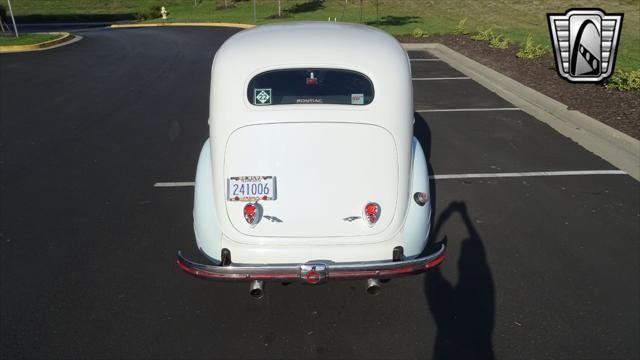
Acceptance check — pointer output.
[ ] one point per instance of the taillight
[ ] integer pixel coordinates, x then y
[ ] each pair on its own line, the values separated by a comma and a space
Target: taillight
252, 213
371, 213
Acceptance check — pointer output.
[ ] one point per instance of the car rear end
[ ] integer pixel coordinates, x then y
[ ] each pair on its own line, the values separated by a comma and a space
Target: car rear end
313, 172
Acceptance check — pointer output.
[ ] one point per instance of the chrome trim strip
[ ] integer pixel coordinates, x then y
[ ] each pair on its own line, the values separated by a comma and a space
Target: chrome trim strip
292, 272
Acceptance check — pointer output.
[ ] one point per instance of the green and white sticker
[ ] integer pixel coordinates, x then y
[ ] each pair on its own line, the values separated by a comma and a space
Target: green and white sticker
262, 96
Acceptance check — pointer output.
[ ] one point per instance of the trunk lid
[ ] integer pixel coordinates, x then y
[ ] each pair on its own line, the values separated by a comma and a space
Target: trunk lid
325, 173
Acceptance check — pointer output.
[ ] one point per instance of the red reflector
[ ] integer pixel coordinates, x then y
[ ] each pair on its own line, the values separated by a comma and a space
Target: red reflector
371, 213
313, 277
251, 214
311, 80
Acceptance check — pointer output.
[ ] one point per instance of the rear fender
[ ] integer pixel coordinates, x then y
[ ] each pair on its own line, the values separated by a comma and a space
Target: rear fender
205, 218
418, 220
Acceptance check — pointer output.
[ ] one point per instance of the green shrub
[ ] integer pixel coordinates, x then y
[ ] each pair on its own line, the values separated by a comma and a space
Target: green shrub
499, 42
531, 50
461, 27
418, 33
152, 13
3, 12
624, 81
483, 35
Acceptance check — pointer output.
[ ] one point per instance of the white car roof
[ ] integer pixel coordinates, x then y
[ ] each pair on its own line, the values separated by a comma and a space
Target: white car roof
360, 48
353, 46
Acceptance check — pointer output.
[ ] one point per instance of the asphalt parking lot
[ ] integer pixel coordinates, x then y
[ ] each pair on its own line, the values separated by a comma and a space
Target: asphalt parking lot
539, 267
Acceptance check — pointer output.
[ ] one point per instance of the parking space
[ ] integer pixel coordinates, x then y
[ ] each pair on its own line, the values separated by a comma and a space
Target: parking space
469, 129
454, 93
543, 245
418, 54
547, 265
429, 69
537, 266
499, 141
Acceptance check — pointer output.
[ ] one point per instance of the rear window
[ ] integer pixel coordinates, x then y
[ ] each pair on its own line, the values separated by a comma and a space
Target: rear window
310, 86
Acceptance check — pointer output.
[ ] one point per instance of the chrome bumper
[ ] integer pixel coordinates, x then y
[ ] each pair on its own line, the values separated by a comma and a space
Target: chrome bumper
312, 272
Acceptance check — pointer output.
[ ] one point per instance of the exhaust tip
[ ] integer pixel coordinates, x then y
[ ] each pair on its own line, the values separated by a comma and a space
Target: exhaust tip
256, 289
373, 287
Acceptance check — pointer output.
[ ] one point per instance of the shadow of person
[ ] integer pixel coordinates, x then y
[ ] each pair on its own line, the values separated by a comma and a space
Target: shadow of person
464, 313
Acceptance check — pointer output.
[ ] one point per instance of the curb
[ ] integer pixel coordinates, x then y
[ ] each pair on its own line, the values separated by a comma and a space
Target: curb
614, 146
39, 46
211, 24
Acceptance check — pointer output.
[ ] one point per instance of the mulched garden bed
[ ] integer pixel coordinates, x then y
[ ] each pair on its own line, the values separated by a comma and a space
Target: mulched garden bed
618, 109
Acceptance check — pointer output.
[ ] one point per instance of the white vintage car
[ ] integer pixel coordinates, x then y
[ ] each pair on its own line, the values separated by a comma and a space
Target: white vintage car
311, 172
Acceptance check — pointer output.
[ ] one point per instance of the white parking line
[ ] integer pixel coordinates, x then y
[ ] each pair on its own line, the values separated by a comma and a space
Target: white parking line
442, 78
425, 60
479, 109
528, 174
466, 176
173, 184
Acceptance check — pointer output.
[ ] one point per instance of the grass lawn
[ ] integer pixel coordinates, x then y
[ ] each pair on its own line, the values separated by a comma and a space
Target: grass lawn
515, 19
27, 39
